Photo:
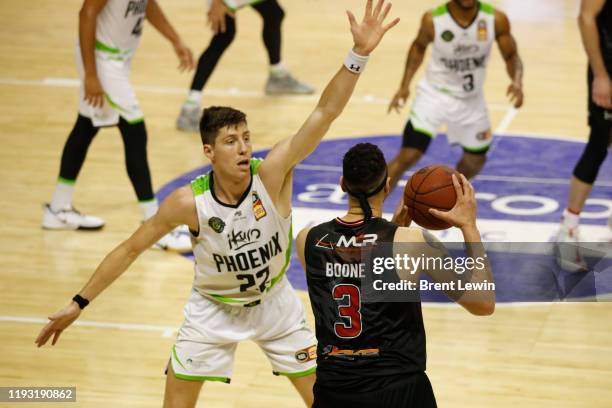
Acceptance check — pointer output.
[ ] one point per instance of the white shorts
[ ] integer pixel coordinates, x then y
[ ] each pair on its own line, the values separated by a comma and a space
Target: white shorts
119, 97
467, 119
207, 340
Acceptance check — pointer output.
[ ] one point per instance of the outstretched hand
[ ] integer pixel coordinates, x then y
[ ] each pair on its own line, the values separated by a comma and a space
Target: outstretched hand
368, 33
463, 214
59, 321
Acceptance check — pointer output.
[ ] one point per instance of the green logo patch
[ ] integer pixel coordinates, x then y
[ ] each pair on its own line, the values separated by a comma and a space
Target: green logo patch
448, 36
216, 224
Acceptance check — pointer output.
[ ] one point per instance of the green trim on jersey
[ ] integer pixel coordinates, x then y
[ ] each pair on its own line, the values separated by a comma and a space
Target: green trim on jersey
440, 10
304, 373
487, 8
100, 46
255, 163
278, 277
200, 185
134, 121
476, 149
65, 181
228, 300
201, 378
115, 105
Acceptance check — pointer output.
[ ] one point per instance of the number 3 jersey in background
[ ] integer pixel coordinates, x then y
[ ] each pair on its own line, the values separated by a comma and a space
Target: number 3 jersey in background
460, 54
363, 344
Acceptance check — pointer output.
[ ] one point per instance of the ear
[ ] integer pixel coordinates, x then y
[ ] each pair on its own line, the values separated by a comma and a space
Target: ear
342, 184
209, 152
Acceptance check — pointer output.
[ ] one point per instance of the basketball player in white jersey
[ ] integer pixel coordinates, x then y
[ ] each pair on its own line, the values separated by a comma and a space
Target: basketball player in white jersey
462, 33
240, 219
109, 34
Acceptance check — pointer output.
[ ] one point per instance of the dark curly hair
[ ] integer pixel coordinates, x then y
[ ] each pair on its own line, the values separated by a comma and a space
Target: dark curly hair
365, 170
217, 117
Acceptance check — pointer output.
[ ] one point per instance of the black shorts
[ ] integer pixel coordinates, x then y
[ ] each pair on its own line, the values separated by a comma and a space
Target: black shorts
412, 392
599, 117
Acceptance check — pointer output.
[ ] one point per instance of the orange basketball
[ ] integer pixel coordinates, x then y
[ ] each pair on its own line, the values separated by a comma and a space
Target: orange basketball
430, 187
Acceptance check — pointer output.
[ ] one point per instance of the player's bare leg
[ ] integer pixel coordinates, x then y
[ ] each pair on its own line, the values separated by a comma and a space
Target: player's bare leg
471, 164
304, 385
180, 393
405, 159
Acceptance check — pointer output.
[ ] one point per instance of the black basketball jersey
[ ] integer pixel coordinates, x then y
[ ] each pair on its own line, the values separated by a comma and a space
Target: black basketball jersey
604, 26
361, 345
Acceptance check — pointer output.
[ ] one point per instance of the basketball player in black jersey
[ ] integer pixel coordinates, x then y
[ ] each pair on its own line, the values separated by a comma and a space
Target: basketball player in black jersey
372, 354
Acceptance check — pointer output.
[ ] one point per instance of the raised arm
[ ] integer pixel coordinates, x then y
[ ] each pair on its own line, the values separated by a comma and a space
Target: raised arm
602, 89
156, 17
509, 51
286, 154
177, 209
94, 94
414, 60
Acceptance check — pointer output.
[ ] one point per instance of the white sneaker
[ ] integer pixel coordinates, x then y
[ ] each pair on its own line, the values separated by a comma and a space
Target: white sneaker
568, 252
177, 240
69, 219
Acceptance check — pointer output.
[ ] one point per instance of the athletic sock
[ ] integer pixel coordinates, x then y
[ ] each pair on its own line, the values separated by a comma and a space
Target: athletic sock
193, 100
62, 196
570, 219
278, 70
149, 208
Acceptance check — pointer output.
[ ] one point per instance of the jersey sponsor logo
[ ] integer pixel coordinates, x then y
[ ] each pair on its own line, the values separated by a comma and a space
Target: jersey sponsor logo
357, 241
347, 353
307, 354
216, 224
240, 239
482, 30
464, 64
136, 7
462, 49
447, 35
258, 209
248, 260
324, 244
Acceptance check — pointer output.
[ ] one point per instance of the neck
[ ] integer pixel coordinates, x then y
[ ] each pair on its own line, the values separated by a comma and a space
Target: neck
229, 189
463, 15
355, 213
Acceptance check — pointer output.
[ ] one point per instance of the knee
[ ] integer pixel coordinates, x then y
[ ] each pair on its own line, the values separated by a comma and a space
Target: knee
223, 40
276, 14
473, 162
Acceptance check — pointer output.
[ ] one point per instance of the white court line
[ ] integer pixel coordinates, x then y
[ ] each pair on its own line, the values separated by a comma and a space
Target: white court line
506, 120
512, 179
166, 331
230, 92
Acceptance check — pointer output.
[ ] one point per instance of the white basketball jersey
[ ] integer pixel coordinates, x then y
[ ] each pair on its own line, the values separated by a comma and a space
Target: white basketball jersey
119, 26
241, 251
460, 55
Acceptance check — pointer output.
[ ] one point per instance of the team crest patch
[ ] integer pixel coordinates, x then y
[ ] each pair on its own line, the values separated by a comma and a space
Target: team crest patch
216, 224
448, 36
307, 354
482, 30
483, 135
258, 209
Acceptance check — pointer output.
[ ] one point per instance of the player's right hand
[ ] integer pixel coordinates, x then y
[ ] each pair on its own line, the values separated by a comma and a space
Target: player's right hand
368, 33
602, 91
94, 94
216, 16
58, 322
463, 214
399, 100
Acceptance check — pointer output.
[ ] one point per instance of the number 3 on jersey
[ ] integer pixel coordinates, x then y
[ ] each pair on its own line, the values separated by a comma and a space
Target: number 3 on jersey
349, 310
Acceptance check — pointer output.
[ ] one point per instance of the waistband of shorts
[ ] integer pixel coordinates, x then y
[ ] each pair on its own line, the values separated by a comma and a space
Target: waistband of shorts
274, 291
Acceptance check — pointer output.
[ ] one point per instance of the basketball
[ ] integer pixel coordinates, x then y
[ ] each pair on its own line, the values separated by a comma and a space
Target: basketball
430, 187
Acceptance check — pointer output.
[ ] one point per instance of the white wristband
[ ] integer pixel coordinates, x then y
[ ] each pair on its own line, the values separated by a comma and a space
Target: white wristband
355, 63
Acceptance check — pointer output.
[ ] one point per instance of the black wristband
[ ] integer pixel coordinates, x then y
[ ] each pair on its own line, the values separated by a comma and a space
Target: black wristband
81, 301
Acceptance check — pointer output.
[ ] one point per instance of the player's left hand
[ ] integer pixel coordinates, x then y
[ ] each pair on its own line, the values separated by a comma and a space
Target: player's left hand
400, 216
515, 92
368, 33
185, 57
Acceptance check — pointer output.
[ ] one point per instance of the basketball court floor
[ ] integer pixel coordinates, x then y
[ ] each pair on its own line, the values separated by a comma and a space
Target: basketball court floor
529, 354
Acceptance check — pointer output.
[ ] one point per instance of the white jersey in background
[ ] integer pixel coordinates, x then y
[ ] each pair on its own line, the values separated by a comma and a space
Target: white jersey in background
460, 55
119, 27
241, 251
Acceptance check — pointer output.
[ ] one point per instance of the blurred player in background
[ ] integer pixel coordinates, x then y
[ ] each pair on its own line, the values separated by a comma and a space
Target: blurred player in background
462, 33
240, 218
371, 350
595, 22
222, 19
109, 33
